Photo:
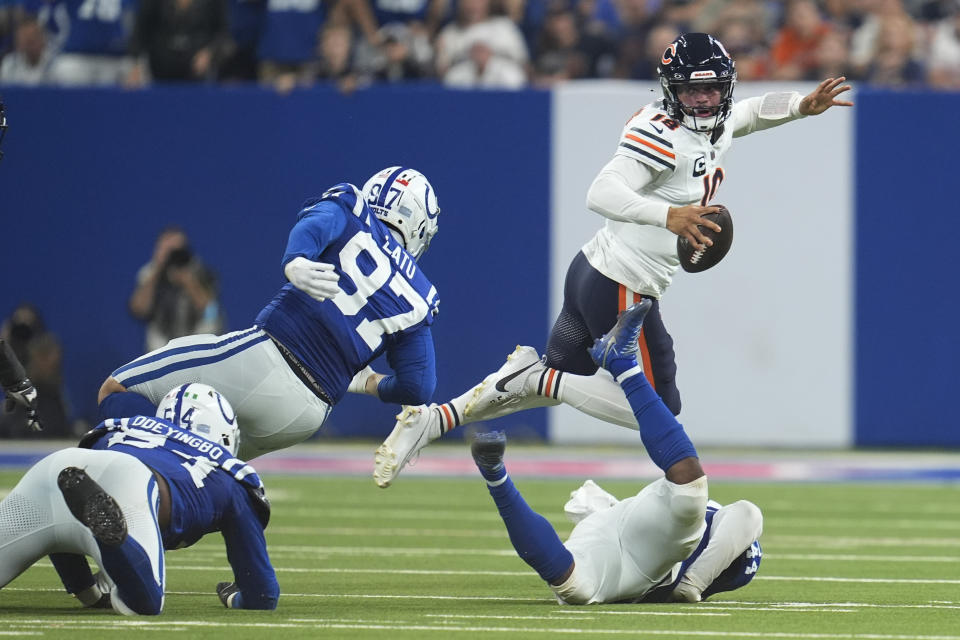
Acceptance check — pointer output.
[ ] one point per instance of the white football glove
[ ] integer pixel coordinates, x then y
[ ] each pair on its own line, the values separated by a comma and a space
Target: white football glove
359, 382
317, 279
588, 499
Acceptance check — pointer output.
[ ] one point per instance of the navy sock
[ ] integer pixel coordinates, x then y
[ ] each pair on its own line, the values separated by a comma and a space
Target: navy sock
662, 435
535, 539
126, 404
74, 571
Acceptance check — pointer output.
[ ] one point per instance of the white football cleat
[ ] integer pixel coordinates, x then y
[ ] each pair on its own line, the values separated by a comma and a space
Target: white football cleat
507, 390
416, 428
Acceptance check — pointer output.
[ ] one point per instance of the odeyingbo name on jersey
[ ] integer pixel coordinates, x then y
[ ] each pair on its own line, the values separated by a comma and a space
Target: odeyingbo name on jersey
145, 432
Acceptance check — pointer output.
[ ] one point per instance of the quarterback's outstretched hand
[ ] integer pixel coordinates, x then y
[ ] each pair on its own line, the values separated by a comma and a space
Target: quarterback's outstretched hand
317, 279
17, 386
825, 96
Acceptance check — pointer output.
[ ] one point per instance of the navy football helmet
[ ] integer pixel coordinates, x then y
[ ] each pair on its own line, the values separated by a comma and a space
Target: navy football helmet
697, 58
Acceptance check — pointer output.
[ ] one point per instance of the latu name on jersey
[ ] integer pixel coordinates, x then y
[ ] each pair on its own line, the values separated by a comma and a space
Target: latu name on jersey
378, 291
383, 293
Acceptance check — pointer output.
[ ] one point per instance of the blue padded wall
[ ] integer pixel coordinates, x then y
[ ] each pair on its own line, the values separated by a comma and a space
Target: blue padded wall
91, 176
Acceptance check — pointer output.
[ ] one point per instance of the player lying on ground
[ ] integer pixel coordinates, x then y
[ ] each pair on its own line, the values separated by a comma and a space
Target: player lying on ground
355, 291
667, 543
667, 167
134, 487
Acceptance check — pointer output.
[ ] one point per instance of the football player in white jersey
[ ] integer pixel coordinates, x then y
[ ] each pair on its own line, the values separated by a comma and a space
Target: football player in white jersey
667, 167
667, 543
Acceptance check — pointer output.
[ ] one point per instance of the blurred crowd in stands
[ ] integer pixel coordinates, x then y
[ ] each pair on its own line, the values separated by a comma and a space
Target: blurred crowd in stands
467, 43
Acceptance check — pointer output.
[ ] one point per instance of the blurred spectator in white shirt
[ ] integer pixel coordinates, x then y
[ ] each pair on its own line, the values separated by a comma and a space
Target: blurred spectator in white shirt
29, 62
944, 66
475, 25
484, 69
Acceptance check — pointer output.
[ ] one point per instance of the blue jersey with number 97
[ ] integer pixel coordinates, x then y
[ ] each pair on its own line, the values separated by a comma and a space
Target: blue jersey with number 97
385, 296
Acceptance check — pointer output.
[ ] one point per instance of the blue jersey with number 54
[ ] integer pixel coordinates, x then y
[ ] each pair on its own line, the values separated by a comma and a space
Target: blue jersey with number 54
386, 302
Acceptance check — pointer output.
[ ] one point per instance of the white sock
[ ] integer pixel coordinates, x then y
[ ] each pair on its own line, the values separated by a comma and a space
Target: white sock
453, 414
599, 396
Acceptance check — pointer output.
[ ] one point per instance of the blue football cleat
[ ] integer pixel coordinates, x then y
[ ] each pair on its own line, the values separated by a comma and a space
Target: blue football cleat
621, 340
487, 450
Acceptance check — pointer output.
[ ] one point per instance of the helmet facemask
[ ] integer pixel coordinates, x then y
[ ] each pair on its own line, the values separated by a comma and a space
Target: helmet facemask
690, 116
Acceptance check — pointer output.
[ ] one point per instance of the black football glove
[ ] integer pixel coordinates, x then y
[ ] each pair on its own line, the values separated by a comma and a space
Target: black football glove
26, 396
17, 386
228, 593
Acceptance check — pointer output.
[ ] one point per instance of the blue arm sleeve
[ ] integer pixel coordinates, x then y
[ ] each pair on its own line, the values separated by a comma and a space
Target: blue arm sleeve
412, 359
315, 230
247, 554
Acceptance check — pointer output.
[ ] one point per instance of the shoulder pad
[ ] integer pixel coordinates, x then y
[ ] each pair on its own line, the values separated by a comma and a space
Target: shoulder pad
87, 440
648, 138
260, 503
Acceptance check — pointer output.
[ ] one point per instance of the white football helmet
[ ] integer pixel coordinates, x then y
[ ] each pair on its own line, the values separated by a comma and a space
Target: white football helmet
201, 409
405, 201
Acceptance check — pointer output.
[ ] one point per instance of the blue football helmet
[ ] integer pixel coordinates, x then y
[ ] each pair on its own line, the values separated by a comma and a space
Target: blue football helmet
739, 573
697, 58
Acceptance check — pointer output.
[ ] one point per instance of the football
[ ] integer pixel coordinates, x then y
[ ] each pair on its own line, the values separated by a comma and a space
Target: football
694, 261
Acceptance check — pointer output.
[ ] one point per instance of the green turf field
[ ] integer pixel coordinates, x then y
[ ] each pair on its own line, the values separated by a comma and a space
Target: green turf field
430, 558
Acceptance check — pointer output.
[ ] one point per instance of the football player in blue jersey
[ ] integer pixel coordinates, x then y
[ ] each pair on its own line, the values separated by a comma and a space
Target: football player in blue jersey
133, 488
667, 543
355, 291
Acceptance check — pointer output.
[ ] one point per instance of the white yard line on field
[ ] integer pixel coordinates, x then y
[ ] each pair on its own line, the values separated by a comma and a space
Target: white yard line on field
851, 557
339, 623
